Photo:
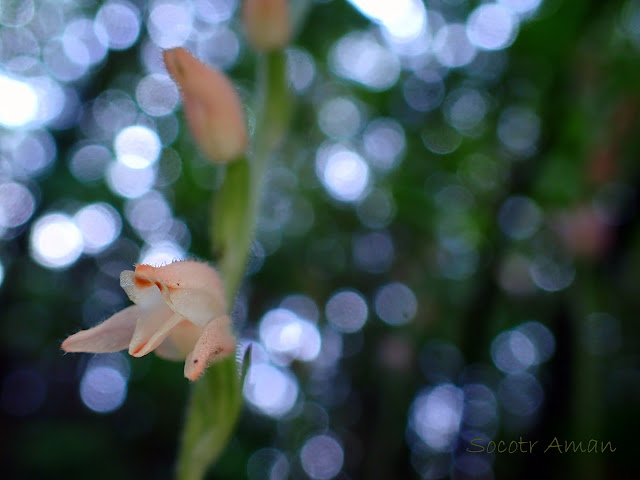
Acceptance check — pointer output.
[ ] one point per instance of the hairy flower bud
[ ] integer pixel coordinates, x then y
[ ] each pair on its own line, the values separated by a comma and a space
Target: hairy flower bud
212, 106
267, 23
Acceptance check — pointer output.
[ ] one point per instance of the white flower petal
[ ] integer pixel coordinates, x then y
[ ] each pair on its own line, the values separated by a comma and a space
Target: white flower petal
112, 335
153, 327
142, 293
180, 342
197, 305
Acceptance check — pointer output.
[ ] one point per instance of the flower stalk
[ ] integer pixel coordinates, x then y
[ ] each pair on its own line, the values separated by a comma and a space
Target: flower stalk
216, 398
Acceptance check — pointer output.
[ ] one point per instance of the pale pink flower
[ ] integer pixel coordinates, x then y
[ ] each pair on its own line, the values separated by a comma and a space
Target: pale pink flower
267, 23
180, 312
212, 106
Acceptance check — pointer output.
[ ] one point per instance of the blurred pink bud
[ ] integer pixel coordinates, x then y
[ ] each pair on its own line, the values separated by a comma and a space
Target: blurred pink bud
266, 23
180, 312
211, 104
583, 231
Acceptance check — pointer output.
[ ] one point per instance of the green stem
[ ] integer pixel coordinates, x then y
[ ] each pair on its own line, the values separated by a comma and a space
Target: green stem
216, 399
213, 409
232, 223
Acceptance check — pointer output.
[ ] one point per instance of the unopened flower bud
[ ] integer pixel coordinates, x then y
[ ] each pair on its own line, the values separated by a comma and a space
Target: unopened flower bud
212, 106
267, 23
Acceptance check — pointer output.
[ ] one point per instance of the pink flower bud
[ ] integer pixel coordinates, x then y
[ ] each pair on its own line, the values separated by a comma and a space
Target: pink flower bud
211, 104
583, 232
266, 23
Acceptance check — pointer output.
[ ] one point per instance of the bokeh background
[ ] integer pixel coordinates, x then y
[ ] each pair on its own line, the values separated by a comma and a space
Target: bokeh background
448, 247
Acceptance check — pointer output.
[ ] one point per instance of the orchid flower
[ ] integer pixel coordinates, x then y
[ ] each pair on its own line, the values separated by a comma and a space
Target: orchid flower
180, 312
212, 106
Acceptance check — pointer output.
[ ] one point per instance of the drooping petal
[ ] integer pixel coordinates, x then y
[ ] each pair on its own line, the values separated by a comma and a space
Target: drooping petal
154, 325
215, 343
212, 106
112, 335
180, 342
